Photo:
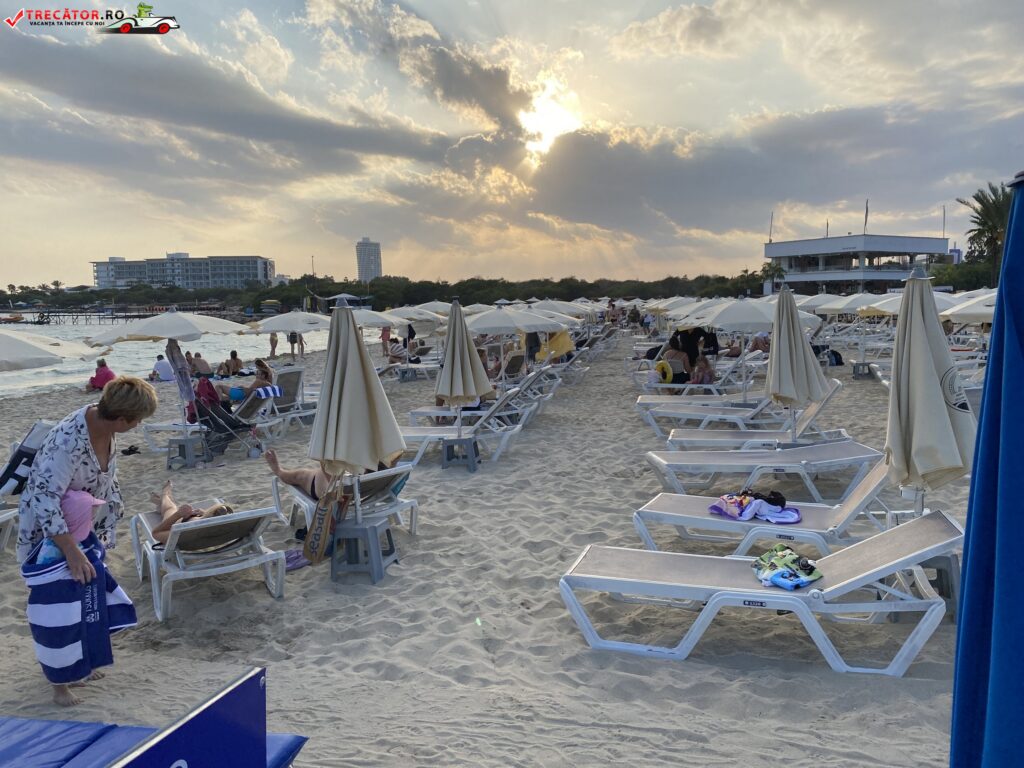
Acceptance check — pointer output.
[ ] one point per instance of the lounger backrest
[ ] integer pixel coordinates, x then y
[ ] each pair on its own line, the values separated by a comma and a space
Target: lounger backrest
249, 409
216, 532
814, 408
486, 420
886, 553
290, 382
16, 471
866, 490
513, 364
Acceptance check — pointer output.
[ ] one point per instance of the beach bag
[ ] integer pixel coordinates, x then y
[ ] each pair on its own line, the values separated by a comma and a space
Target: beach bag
331, 509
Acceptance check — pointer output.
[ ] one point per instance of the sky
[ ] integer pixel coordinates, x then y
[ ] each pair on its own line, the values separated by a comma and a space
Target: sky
501, 138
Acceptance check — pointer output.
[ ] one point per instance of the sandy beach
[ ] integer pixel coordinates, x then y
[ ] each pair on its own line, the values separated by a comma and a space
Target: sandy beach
465, 653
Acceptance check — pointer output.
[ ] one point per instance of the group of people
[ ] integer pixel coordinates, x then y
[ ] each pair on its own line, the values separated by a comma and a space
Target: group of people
71, 504
687, 355
295, 339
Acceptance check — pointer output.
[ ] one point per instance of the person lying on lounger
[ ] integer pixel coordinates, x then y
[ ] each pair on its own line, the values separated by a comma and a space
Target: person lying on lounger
312, 482
172, 513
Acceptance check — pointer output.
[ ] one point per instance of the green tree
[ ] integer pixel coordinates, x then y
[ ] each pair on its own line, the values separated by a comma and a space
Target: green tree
990, 212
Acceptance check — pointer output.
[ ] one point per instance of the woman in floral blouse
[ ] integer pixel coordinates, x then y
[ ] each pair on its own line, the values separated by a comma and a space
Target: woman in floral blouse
78, 454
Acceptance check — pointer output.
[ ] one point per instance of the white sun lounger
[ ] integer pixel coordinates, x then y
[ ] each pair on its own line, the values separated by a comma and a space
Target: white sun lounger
822, 525
208, 547
694, 470
760, 413
14, 475
804, 428
886, 569
492, 429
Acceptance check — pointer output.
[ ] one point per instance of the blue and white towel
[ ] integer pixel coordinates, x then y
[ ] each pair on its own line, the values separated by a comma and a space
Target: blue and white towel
272, 391
72, 623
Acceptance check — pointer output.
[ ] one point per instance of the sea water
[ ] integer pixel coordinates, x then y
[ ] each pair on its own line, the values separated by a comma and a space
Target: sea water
136, 358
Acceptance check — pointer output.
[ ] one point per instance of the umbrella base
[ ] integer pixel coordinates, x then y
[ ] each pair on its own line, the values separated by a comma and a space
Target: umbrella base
461, 450
186, 452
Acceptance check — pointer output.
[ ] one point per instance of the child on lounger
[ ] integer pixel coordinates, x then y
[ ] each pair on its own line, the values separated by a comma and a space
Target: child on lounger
172, 513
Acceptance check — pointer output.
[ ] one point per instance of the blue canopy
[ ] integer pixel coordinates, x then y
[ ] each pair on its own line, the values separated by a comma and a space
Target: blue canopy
988, 686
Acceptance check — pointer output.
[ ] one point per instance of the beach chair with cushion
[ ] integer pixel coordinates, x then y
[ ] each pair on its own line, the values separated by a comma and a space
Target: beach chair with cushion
824, 526
494, 429
683, 471
228, 728
804, 430
372, 494
197, 549
865, 583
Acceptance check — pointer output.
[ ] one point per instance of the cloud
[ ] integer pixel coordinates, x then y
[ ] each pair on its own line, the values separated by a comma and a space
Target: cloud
262, 53
189, 91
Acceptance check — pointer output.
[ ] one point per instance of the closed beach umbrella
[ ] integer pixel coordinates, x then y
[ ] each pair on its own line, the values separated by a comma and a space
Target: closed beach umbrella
930, 436
511, 321
794, 374
294, 322
354, 429
181, 326
21, 351
989, 677
182, 372
462, 378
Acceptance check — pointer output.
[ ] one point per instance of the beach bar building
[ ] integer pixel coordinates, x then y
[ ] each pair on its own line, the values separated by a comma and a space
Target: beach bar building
852, 262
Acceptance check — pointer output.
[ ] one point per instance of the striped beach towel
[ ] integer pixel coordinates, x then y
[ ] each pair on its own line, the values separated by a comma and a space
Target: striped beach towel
266, 392
72, 623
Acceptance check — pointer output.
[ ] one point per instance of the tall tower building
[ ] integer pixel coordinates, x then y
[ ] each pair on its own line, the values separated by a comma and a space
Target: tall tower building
368, 260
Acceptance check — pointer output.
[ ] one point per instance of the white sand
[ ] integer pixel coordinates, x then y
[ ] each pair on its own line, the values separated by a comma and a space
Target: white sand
465, 653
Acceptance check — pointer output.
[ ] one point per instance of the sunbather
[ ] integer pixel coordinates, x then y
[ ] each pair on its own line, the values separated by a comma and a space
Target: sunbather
171, 513
264, 378
312, 482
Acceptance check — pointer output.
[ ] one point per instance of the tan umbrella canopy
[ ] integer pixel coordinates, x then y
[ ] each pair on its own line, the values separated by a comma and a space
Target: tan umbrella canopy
354, 429
463, 378
295, 321
980, 309
930, 437
500, 320
890, 305
437, 307
180, 326
794, 374
21, 351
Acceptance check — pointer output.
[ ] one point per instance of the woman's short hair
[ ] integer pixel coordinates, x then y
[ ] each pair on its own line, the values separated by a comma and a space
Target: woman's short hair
101, 363
128, 398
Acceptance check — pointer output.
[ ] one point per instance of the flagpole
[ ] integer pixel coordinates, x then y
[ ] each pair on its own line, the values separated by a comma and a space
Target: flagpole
865, 216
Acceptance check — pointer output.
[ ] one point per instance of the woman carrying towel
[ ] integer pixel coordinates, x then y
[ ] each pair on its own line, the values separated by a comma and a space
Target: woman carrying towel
79, 454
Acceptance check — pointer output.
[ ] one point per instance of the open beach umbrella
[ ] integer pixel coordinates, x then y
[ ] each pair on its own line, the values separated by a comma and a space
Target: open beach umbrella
811, 303
355, 428
741, 315
437, 307
980, 309
929, 440
295, 321
476, 309
890, 305
500, 320
989, 677
557, 316
181, 326
21, 351
562, 308
847, 305
417, 313
794, 374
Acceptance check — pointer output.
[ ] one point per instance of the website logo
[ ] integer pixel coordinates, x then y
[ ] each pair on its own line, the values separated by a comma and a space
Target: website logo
142, 23
110, 21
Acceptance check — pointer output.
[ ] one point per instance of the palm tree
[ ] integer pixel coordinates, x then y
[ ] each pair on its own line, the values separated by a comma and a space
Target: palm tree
990, 212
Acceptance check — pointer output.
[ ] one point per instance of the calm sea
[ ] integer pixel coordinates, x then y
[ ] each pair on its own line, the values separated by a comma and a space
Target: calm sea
136, 357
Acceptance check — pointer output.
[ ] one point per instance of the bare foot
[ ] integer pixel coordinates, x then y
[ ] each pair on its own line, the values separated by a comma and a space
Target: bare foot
63, 696
271, 458
95, 675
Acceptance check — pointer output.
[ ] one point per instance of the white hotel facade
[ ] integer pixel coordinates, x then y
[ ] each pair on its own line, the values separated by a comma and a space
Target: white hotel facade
852, 262
179, 270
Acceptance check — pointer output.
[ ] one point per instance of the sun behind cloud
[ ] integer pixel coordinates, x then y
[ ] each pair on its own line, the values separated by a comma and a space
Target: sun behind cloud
555, 110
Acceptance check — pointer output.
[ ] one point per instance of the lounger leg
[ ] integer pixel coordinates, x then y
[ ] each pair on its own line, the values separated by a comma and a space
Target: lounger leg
140, 563
641, 528
273, 575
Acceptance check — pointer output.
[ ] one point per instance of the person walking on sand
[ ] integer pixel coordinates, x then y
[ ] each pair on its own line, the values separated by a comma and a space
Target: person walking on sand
273, 346
79, 454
